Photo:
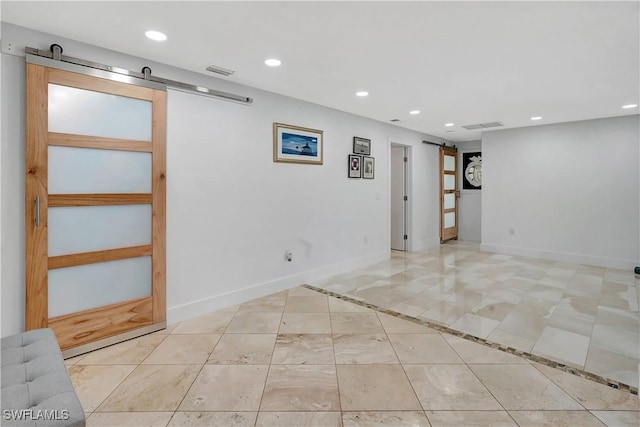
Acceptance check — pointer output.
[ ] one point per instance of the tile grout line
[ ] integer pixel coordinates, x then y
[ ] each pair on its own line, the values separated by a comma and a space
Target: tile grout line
124, 364
195, 378
335, 363
440, 328
561, 388
424, 411
480, 380
266, 378
488, 390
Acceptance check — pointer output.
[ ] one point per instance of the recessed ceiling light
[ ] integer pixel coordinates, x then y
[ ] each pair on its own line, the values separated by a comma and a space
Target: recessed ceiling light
536, 118
156, 35
414, 112
630, 106
362, 93
273, 62
449, 124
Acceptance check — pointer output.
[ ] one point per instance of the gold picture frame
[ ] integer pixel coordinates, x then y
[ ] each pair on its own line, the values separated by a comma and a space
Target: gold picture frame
295, 144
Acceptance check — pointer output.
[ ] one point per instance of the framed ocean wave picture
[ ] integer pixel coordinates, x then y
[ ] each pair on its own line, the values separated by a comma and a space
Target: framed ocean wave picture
295, 144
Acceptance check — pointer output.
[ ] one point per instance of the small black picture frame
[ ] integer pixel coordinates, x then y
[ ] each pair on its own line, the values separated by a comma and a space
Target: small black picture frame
354, 166
368, 167
361, 146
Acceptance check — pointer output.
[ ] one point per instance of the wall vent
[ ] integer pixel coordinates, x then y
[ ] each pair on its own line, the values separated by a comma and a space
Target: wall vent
483, 125
220, 70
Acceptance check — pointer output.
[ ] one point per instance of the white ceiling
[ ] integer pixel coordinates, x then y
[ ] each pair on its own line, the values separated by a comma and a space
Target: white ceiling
460, 62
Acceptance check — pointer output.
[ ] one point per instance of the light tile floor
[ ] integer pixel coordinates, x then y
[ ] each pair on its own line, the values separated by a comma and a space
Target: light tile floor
578, 315
301, 358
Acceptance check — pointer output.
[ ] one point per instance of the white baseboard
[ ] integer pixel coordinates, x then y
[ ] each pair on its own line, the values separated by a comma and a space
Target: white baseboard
206, 305
623, 264
424, 245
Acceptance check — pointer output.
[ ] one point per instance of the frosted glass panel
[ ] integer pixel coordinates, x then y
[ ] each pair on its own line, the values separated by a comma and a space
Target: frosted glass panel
94, 228
449, 163
449, 220
449, 182
93, 285
449, 201
85, 112
84, 170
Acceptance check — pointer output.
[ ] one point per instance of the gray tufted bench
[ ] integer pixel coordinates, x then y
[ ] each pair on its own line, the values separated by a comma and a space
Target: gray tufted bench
36, 389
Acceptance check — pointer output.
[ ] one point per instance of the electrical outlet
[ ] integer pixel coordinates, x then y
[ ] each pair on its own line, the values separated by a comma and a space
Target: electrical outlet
512, 231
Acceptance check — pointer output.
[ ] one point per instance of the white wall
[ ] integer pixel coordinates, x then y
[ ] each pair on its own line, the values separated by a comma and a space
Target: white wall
470, 202
231, 211
569, 191
229, 204
12, 186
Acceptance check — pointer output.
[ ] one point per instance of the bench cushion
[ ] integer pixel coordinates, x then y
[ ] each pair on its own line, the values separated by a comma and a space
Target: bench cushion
36, 389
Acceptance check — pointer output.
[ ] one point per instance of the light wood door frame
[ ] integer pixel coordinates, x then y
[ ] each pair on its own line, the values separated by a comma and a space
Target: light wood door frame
450, 233
87, 329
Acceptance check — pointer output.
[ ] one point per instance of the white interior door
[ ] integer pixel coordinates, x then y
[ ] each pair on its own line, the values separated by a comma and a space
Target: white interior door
398, 196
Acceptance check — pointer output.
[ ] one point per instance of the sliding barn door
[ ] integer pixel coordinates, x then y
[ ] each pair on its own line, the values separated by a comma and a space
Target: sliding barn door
95, 208
448, 194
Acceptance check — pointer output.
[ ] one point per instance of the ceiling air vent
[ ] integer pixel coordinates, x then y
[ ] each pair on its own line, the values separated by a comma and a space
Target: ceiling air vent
483, 125
395, 120
220, 70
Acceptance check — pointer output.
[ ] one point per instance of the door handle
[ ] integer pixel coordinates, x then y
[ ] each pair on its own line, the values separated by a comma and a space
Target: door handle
457, 194
37, 211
